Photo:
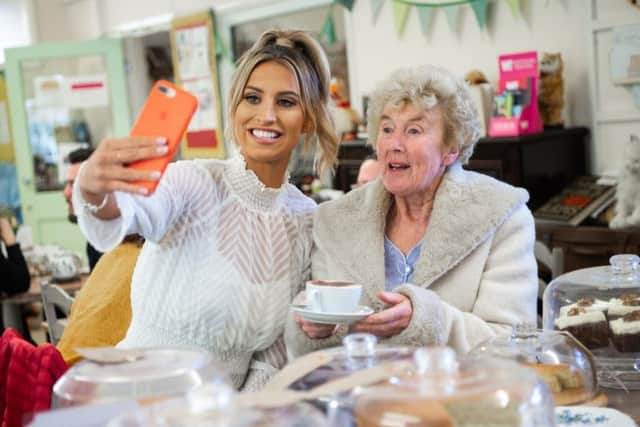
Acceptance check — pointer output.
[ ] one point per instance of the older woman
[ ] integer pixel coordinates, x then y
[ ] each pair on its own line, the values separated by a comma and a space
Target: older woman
445, 256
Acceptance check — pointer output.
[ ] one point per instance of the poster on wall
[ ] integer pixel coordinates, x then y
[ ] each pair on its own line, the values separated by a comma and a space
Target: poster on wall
625, 55
193, 45
86, 91
193, 51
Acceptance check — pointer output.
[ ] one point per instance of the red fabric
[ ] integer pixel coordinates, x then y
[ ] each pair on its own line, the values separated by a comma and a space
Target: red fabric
27, 375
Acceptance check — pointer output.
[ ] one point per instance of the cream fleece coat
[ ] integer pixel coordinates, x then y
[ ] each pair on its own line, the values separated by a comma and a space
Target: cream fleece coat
476, 275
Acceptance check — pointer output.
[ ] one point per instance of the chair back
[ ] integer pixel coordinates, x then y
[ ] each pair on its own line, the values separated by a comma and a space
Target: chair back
53, 297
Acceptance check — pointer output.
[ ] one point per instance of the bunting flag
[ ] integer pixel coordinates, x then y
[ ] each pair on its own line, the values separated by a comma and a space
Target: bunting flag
376, 7
424, 15
221, 47
400, 15
346, 3
426, 9
328, 30
480, 10
515, 6
452, 17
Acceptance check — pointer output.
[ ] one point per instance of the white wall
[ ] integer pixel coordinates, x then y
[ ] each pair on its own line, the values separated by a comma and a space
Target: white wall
615, 114
16, 24
551, 26
376, 50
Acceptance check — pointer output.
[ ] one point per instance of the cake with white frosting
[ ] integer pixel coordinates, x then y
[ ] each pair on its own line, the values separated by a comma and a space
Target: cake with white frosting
588, 304
618, 307
625, 332
588, 327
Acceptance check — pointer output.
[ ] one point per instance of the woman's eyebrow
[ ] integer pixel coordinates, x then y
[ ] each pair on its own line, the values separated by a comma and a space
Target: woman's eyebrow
289, 93
285, 92
257, 89
417, 118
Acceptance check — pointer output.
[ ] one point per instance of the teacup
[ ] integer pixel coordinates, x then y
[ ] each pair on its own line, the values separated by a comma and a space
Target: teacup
333, 296
65, 266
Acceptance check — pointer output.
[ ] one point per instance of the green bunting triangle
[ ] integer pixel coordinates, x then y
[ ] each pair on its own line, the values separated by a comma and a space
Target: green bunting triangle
221, 47
400, 14
514, 5
480, 10
328, 30
346, 3
376, 7
424, 16
452, 17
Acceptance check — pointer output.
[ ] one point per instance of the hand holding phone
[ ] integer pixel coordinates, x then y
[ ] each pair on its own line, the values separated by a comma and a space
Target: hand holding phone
135, 164
166, 113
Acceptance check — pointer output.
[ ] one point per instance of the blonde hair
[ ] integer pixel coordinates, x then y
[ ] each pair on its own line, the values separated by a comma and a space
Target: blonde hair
429, 87
306, 60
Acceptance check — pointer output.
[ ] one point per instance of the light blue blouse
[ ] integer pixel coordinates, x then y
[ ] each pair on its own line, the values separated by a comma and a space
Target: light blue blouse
398, 269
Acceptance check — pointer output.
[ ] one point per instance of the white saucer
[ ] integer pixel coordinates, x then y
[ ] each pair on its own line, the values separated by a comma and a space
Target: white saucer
585, 416
359, 313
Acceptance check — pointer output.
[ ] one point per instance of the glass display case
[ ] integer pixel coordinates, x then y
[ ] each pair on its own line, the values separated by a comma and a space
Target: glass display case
359, 351
562, 362
219, 407
425, 387
446, 390
146, 375
600, 306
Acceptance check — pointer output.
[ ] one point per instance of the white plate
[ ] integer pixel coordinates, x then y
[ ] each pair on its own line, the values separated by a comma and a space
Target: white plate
359, 313
587, 416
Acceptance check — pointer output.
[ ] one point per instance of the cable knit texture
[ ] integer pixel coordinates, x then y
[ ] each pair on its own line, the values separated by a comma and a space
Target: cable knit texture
224, 257
476, 273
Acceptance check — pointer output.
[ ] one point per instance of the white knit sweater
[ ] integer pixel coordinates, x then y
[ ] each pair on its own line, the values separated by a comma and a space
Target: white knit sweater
223, 260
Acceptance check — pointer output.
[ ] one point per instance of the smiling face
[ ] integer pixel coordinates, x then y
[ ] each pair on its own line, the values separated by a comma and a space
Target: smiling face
269, 119
411, 148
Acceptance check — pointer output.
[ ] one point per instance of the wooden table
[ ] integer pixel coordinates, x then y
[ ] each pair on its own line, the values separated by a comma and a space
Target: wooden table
627, 402
33, 294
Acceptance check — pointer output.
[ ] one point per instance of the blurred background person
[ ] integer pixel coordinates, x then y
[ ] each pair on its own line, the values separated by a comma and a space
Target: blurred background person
14, 279
369, 170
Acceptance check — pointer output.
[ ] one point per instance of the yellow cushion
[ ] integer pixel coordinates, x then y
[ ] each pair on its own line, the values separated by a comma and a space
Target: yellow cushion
101, 313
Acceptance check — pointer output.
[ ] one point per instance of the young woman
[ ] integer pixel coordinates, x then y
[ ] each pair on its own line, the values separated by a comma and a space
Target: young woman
227, 242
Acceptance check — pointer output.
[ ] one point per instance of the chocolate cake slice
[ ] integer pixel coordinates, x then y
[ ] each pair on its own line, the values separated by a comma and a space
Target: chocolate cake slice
588, 327
625, 332
618, 307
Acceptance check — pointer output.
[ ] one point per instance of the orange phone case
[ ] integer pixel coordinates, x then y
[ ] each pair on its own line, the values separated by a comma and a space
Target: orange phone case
166, 112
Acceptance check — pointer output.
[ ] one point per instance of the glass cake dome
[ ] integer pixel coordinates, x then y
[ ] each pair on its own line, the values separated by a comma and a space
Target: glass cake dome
600, 307
146, 375
562, 362
218, 405
446, 390
359, 352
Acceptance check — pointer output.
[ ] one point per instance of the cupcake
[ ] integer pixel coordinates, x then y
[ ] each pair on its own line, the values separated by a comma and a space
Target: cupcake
588, 327
625, 332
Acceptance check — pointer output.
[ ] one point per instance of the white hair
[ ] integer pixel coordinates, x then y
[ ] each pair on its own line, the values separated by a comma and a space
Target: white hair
429, 87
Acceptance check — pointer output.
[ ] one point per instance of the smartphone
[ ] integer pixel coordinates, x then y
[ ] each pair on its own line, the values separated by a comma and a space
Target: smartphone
166, 112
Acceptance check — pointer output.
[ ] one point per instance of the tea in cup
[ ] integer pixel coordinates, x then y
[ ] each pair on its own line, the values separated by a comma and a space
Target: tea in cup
333, 296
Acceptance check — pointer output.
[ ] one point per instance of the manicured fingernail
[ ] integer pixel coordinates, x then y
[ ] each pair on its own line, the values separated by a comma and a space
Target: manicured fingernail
154, 175
162, 150
143, 191
161, 140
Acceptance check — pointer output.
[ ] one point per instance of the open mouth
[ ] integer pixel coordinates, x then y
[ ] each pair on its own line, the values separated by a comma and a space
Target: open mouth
265, 134
398, 166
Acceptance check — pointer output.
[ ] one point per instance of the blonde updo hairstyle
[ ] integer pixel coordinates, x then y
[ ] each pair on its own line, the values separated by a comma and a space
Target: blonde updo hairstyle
305, 58
429, 87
